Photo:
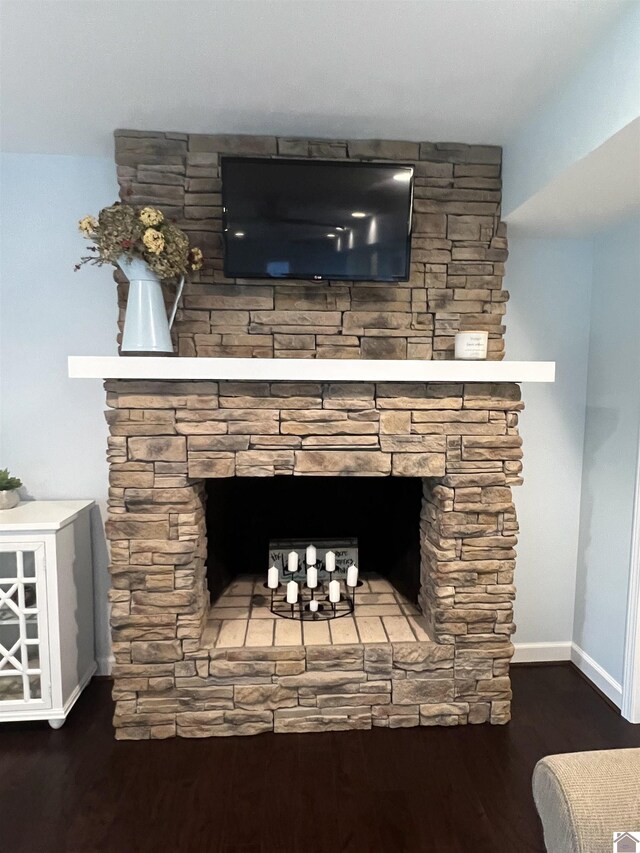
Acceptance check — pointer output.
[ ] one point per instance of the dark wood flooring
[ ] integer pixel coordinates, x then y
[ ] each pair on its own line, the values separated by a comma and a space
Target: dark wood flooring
77, 790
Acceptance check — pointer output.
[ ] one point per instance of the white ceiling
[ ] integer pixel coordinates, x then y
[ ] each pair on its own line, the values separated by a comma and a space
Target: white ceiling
456, 70
590, 194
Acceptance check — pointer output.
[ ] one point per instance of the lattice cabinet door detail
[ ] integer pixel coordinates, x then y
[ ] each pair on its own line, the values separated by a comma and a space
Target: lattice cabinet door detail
24, 666
46, 609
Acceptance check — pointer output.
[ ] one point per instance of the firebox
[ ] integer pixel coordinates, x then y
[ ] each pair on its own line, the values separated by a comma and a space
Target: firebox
246, 514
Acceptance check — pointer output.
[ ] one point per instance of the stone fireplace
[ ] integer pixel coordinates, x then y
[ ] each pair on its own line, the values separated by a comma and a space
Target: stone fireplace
429, 643
443, 658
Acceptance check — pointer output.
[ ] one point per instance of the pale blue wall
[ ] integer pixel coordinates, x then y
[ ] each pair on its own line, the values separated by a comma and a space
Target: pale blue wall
52, 429
601, 98
48, 312
548, 320
611, 447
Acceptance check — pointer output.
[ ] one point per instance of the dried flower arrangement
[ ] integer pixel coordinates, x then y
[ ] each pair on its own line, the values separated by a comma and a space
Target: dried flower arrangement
139, 233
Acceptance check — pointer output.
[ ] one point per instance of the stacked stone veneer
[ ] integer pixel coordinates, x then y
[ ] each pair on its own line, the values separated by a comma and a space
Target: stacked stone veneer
458, 250
166, 437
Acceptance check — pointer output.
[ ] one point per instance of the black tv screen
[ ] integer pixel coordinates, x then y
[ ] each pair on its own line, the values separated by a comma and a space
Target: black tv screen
311, 219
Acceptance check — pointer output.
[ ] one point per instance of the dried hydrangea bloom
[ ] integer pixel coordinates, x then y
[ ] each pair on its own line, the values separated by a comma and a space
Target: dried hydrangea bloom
116, 225
173, 260
88, 225
151, 216
196, 258
153, 240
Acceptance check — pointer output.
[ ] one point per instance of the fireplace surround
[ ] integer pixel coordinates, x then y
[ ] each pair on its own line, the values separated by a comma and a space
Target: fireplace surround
167, 438
433, 653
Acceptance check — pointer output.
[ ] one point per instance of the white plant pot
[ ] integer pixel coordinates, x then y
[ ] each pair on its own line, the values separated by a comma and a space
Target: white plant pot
9, 498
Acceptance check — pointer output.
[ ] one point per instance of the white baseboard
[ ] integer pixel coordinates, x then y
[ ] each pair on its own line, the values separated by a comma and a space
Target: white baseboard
104, 665
548, 652
611, 688
541, 652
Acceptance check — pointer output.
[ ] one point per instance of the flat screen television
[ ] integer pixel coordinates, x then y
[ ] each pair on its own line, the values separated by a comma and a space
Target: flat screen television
316, 219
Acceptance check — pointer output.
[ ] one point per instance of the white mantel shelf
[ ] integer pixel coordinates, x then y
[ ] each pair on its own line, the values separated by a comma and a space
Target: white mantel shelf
309, 370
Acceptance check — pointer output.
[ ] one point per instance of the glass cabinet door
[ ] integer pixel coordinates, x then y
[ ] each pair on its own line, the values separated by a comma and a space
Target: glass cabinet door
23, 650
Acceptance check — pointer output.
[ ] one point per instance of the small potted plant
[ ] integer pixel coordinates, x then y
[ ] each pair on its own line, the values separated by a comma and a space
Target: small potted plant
148, 250
9, 486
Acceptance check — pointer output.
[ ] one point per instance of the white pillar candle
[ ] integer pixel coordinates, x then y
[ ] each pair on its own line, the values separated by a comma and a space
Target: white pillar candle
311, 555
334, 592
272, 578
313, 605
330, 561
352, 576
312, 577
292, 592
292, 561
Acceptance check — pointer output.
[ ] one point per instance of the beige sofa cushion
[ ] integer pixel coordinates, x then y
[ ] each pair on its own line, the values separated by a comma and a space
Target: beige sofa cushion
584, 797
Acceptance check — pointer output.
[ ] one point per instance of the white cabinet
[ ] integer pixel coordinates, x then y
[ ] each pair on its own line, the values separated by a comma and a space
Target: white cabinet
46, 609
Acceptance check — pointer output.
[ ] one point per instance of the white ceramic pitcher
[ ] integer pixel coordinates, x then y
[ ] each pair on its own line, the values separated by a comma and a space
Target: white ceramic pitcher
147, 330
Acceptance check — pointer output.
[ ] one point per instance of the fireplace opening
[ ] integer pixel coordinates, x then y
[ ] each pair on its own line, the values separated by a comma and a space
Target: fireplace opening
245, 514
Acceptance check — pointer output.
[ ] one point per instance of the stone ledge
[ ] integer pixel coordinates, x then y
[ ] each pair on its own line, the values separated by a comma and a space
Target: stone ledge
397, 685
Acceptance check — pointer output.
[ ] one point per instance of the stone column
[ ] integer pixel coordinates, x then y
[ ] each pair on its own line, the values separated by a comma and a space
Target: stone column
468, 538
157, 531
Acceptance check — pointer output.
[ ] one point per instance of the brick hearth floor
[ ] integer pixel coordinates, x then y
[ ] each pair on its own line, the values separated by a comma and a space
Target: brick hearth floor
241, 617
